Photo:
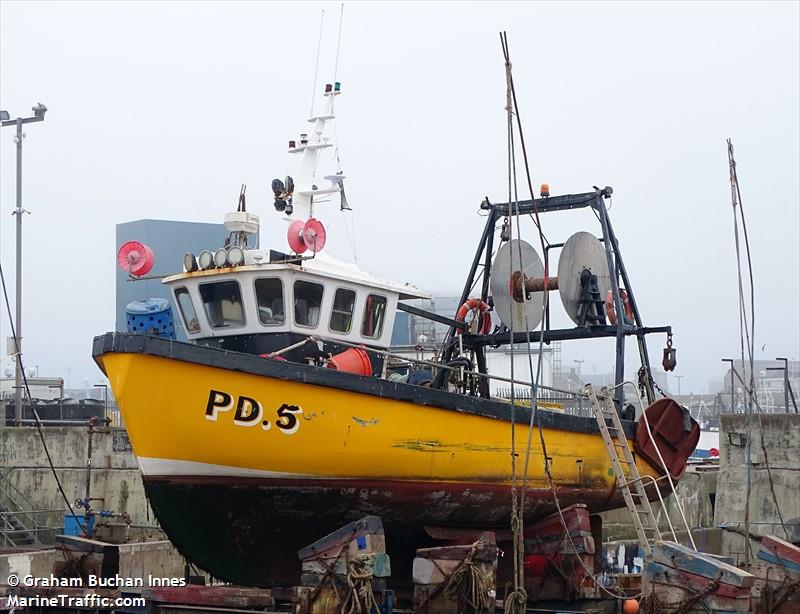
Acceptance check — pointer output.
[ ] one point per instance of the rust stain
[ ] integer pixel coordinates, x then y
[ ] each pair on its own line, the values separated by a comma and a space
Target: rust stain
434, 445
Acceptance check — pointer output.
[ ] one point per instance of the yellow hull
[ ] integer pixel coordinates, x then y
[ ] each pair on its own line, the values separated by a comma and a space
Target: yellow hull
181, 423
246, 460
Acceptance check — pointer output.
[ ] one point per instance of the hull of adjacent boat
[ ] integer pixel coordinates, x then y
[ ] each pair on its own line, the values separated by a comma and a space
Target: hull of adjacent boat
246, 460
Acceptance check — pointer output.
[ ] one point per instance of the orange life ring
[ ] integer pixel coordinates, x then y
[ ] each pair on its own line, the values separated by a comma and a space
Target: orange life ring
481, 310
611, 310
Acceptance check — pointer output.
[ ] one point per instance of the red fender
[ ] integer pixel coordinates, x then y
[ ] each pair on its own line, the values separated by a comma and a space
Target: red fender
481, 310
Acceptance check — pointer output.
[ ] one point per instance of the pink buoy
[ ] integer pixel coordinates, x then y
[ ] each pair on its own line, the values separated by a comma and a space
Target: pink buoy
135, 258
314, 235
295, 237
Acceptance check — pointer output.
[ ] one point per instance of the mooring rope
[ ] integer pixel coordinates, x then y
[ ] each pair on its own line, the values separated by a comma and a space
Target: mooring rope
471, 584
360, 597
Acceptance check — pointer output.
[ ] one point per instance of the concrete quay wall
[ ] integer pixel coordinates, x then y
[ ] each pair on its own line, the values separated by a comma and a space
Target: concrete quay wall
25, 474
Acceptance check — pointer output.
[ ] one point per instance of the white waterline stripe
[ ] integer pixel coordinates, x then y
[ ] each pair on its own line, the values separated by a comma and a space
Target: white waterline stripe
159, 467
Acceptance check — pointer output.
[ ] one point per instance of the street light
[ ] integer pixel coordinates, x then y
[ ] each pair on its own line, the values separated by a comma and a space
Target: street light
5, 119
733, 386
579, 362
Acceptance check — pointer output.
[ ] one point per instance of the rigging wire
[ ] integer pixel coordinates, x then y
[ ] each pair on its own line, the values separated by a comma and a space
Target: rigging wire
33, 407
744, 333
747, 340
517, 600
534, 420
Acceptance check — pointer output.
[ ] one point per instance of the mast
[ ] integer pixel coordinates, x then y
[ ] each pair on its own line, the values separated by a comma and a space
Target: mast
310, 146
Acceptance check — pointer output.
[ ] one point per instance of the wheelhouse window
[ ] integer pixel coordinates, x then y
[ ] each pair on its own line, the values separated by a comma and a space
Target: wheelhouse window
187, 310
223, 304
374, 314
269, 297
342, 311
307, 303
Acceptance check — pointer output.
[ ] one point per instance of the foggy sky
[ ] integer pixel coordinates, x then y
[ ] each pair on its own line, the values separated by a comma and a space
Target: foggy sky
161, 110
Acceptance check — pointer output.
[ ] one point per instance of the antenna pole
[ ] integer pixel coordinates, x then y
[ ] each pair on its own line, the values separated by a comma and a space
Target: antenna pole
338, 42
316, 65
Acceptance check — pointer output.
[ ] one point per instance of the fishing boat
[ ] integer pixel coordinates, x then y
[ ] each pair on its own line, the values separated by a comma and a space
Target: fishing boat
285, 413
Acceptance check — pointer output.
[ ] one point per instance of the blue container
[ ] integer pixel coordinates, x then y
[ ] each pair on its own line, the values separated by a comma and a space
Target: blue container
152, 316
72, 524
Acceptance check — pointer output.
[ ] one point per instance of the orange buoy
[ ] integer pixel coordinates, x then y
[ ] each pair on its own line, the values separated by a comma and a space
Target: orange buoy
631, 606
354, 360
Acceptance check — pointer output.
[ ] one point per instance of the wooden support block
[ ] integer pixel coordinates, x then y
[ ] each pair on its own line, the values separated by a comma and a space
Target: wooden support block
211, 596
436, 571
576, 517
693, 583
685, 559
583, 542
771, 558
781, 549
311, 601
313, 580
485, 551
672, 597
377, 563
430, 599
364, 536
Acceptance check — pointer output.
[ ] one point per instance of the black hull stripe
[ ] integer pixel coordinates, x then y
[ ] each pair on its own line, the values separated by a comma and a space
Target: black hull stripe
248, 363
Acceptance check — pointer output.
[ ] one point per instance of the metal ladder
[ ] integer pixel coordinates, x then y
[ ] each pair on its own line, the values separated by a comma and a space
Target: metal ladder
629, 482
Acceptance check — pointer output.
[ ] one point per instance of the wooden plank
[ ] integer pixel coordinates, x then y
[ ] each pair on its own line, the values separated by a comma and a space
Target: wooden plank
764, 571
683, 558
326, 601
211, 596
696, 584
671, 597
576, 517
376, 563
584, 544
430, 599
458, 553
765, 555
313, 580
357, 532
781, 549
436, 571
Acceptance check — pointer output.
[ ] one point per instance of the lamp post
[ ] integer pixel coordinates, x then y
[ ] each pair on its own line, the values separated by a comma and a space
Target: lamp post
733, 386
579, 362
785, 362
5, 119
